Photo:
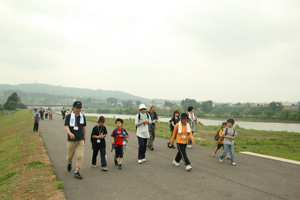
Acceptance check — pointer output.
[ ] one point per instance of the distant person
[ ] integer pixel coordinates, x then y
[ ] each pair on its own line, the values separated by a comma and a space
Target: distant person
118, 139
142, 121
63, 113
229, 134
75, 124
192, 121
220, 141
50, 114
83, 113
42, 114
174, 120
69, 112
182, 131
98, 135
154, 117
36, 122
46, 114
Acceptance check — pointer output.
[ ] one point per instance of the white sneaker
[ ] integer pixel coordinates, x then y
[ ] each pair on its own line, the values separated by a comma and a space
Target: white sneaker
144, 160
94, 166
214, 154
220, 160
189, 146
188, 167
228, 158
140, 161
175, 163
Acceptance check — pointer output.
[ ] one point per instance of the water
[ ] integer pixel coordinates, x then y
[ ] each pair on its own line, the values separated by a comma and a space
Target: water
247, 125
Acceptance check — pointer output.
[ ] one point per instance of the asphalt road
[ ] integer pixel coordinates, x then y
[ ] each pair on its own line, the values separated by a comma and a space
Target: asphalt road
252, 178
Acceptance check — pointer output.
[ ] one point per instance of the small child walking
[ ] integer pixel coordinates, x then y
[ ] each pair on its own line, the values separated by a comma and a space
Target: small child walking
36, 122
220, 141
98, 143
118, 138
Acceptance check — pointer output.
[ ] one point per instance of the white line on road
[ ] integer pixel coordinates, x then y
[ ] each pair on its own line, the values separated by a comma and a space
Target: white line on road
271, 157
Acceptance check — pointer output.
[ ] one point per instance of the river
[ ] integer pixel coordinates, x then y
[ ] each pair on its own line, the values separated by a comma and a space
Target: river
290, 127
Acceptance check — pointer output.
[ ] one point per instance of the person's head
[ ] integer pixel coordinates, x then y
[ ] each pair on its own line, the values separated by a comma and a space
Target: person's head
101, 121
184, 118
36, 113
119, 122
230, 123
191, 109
77, 107
152, 108
142, 108
224, 124
176, 114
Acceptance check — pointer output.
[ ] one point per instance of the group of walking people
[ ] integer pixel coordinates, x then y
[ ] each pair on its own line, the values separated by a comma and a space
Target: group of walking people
182, 130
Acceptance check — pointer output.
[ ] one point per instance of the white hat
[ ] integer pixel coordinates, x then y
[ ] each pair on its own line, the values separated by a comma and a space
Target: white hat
142, 106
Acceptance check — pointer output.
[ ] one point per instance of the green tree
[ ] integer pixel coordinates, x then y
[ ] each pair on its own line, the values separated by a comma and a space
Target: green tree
12, 102
206, 106
270, 113
127, 104
235, 113
263, 115
275, 106
137, 102
200, 113
112, 100
190, 102
285, 114
247, 112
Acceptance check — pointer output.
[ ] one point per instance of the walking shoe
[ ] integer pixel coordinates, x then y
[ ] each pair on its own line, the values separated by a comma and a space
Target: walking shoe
69, 167
214, 154
228, 158
120, 167
140, 161
189, 146
175, 163
188, 167
116, 162
94, 166
220, 160
144, 160
77, 175
234, 164
152, 149
104, 168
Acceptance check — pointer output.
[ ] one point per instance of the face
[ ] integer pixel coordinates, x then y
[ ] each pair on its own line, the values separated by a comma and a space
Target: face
77, 110
229, 124
224, 126
176, 114
119, 124
192, 111
184, 121
100, 123
143, 111
152, 109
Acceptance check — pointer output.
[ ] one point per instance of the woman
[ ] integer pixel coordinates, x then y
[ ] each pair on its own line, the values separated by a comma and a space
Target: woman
192, 121
142, 121
182, 131
174, 120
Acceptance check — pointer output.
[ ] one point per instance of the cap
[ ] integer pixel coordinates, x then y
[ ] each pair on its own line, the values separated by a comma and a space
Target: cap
77, 104
101, 119
184, 116
36, 113
142, 106
224, 123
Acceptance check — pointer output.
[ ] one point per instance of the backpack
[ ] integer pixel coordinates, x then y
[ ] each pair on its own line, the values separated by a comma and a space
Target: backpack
217, 136
125, 139
139, 117
226, 131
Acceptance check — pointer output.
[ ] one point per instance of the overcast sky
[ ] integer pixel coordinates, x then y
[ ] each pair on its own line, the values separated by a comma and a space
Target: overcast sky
227, 51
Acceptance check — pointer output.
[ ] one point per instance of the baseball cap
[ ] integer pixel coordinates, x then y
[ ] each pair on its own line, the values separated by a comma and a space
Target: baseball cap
101, 119
77, 104
224, 123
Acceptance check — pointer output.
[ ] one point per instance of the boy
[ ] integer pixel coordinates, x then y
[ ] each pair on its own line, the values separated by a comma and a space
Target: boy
36, 122
117, 140
98, 143
229, 135
220, 141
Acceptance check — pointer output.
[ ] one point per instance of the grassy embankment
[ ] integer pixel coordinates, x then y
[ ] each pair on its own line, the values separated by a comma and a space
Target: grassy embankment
274, 143
26, 172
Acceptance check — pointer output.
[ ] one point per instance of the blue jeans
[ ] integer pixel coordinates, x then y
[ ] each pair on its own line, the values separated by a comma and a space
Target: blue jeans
226, 147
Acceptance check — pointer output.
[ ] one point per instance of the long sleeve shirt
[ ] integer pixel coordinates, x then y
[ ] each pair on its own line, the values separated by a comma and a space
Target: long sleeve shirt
182, 137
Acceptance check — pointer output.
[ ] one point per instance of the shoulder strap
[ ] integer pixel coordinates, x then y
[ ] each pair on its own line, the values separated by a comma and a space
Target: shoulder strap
226, 131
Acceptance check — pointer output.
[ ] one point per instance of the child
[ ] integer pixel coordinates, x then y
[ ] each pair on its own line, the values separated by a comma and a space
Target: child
117, 140
182, 131
220, 141
36, 122
98, 143
229, 135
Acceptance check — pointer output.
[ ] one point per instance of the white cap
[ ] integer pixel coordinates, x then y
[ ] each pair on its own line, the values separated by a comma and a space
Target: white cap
142, 106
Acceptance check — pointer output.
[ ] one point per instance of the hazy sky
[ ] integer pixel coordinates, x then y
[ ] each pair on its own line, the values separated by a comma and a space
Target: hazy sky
227, 51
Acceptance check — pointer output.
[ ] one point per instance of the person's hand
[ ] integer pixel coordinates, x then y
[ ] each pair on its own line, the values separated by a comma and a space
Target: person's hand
145, 121
159, 126
121, 136
72, 136
193, 142
113, 142
199, 125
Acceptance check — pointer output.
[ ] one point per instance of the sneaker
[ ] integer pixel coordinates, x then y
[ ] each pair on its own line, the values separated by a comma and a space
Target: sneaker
104, 168
234, 164
214, 154
140, 161
228, 158
116, 163
220, 160
94, 166
152, 149
69, 167
120, 167
77, 175
144, 160
189, 146
188, 167
175, 163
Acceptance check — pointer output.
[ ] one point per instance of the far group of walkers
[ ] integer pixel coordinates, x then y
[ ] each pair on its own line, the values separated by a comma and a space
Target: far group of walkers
48, 113
182, 130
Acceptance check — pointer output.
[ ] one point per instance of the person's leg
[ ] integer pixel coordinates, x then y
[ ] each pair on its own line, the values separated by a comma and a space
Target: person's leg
102, 156
151, 139
144, 148
178, 156
182, 150
70, 151
34, 126
121, 155
94, 156
190, 141
141, 147
231, 147
80, 154
224, 152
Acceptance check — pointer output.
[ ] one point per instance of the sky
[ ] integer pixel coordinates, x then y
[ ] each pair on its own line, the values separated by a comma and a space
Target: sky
224, 51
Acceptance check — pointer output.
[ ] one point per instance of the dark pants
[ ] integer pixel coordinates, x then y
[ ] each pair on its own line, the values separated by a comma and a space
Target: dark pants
182, 154
102, 156
63, 116
142, 147
36, 127
119, 151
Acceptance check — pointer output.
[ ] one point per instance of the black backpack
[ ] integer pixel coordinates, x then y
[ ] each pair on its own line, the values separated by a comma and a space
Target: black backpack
217, 136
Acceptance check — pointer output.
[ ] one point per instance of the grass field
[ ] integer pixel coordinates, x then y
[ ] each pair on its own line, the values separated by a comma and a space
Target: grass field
274, 143
26, 172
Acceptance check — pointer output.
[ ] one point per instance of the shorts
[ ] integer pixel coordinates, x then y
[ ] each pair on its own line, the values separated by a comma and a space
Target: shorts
119, 151
220, 145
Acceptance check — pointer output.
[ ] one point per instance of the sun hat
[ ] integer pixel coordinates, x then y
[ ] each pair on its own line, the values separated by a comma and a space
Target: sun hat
142, 106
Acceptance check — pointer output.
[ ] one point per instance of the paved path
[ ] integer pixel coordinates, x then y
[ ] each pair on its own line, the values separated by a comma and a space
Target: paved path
252, 178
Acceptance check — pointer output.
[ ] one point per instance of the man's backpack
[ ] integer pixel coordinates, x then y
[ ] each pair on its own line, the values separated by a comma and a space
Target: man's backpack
217, 136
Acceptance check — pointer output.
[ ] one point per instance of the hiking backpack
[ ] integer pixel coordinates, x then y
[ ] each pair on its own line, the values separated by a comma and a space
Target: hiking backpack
217, 136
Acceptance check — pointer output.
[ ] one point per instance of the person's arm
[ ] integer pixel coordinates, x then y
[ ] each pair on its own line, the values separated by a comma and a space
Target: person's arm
234, 135
137, 121
197, 121
112, 140
192, 137
72, 136
158, 123
84, 132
